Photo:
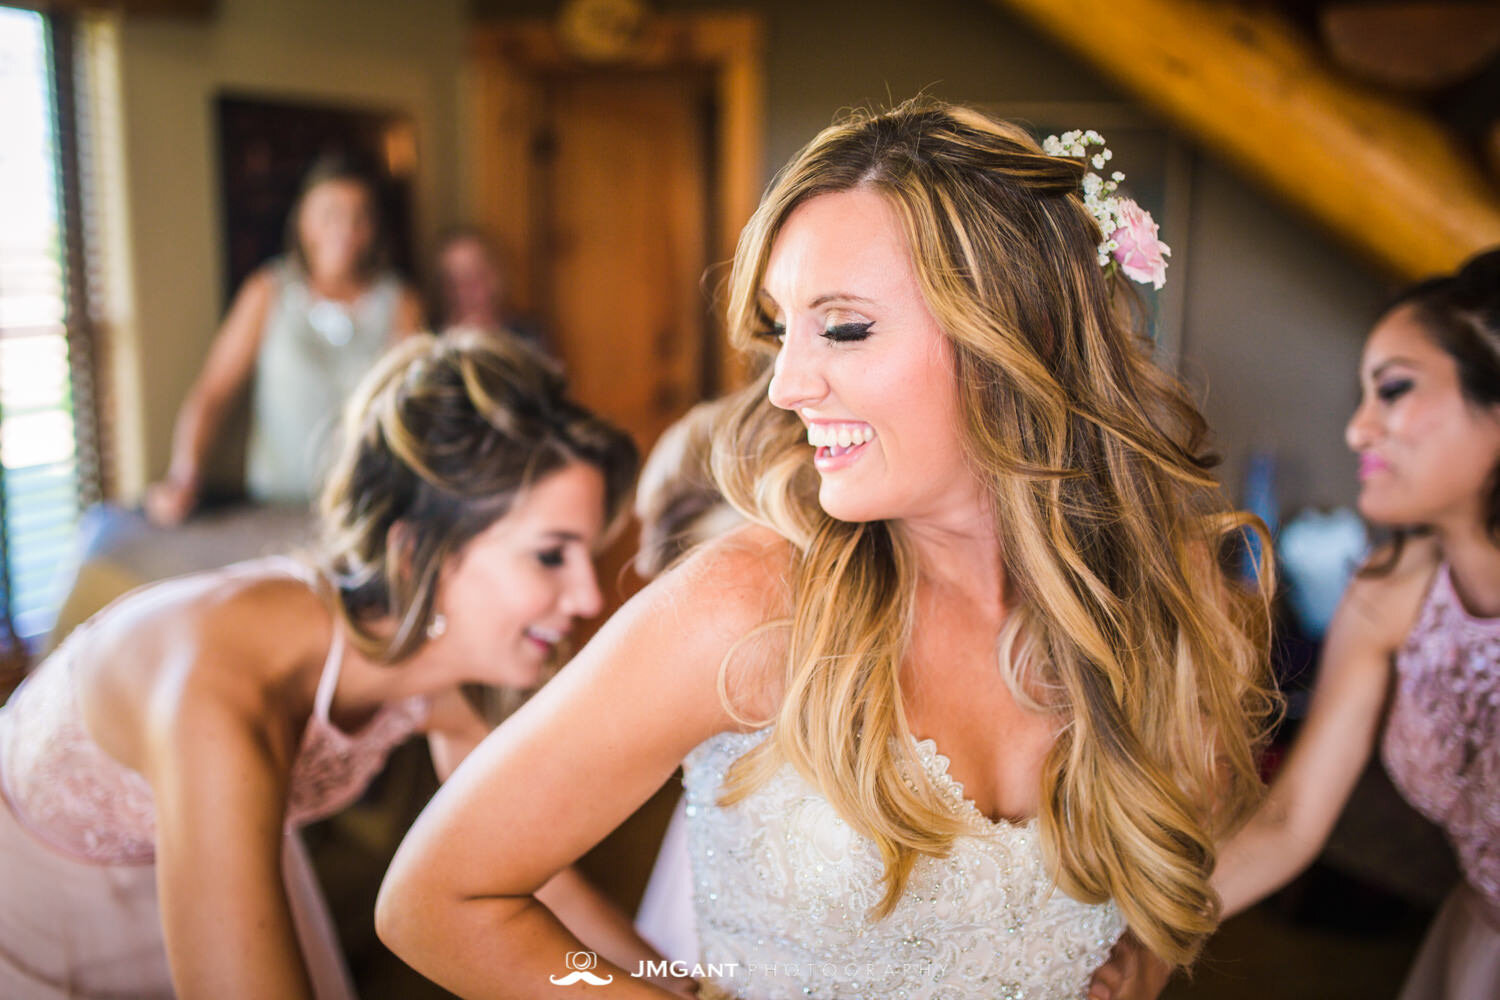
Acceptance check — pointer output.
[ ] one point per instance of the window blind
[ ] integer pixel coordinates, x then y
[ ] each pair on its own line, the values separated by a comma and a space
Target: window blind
49, 462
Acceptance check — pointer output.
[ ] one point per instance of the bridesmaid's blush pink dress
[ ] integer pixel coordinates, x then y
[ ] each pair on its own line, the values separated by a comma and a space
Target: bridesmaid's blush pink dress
1442, 749
78, 907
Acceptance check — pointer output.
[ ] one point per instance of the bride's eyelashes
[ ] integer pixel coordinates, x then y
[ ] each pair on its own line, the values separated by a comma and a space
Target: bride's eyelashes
841, 334
845, 332
840, 325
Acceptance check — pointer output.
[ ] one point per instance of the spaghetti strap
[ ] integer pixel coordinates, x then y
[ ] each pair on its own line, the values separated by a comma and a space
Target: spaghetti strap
323, 700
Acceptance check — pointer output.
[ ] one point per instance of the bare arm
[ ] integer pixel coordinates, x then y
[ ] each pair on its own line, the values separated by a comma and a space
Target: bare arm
454, 730
219, 778
1290, 827
230, 363
592, 917
1332, 749
459, 900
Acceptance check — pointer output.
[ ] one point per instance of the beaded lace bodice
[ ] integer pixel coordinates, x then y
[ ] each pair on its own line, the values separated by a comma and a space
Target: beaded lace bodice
783, 888
77, 798
1442, 738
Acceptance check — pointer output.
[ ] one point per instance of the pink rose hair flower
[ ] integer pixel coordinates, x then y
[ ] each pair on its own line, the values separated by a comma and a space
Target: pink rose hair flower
1130, 242
1138, 249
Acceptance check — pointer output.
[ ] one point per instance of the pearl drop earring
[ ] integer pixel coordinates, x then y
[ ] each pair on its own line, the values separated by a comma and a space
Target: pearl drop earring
437, 626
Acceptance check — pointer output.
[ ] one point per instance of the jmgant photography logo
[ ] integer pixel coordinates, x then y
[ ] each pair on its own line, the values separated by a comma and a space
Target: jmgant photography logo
582, 963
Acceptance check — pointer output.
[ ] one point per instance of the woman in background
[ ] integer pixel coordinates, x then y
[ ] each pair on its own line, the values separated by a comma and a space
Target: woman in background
303, 330
155, 766
471, 290
1413, 654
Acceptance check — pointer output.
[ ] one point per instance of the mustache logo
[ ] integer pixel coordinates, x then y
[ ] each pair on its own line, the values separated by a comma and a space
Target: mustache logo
581, 962
580, 975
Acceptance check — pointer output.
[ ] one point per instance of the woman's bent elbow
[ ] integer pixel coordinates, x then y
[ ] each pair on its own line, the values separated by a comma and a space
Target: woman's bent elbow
396, 922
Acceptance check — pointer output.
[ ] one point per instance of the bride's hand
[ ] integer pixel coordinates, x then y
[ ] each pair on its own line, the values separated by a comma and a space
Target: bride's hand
1131, 973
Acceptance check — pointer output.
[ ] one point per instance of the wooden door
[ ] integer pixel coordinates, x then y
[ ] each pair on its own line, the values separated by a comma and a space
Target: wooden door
622, 242
623, 194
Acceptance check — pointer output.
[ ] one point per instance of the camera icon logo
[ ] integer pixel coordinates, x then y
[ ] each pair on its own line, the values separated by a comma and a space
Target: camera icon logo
582, 963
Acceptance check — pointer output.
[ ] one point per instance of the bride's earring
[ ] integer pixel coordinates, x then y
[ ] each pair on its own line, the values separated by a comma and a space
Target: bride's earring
437, 626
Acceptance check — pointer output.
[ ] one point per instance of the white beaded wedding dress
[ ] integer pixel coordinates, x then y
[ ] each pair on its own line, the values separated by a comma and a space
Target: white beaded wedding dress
783, 889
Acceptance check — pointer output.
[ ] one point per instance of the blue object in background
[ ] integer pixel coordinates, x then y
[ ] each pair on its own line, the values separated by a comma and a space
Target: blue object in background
1319, 552
1260, 500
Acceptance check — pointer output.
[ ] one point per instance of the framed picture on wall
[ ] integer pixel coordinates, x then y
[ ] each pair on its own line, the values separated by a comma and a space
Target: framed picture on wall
1158, 174
265, 145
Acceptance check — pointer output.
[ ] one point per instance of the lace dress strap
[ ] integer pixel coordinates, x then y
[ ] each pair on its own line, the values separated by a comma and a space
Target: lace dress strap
333, 766
328, 681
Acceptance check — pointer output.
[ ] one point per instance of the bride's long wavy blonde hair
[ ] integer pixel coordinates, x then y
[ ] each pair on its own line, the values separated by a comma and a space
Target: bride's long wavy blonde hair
1124, 621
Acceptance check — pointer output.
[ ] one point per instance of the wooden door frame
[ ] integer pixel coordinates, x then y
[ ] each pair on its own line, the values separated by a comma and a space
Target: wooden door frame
509, 58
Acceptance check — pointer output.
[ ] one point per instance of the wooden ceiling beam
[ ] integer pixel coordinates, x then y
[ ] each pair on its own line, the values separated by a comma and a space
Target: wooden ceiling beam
1376, 172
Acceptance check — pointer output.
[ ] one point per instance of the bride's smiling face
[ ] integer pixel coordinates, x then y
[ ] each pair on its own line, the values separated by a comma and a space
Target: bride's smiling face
864, 363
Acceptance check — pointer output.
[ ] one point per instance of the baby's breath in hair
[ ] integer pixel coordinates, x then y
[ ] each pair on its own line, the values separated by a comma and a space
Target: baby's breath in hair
1130, 241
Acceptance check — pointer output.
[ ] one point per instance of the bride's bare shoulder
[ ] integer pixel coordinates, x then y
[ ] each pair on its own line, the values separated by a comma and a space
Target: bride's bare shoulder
724, 604
742, 574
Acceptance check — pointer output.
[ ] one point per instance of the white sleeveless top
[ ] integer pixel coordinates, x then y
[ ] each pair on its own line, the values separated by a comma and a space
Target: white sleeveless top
313, 353
783, 888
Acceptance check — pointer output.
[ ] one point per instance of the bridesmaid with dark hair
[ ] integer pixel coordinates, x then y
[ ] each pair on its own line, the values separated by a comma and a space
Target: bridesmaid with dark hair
1418, 629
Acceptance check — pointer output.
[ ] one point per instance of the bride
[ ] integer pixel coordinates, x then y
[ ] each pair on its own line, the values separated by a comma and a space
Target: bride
972, 694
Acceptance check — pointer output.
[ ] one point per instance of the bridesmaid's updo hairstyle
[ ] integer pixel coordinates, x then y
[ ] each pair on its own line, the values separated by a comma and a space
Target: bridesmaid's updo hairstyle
437, 443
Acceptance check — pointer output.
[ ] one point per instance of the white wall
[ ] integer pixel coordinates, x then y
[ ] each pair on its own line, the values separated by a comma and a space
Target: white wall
1276, 315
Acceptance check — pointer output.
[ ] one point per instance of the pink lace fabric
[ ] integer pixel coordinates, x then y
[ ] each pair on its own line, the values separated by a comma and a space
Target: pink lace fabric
1442, 738
76, 798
